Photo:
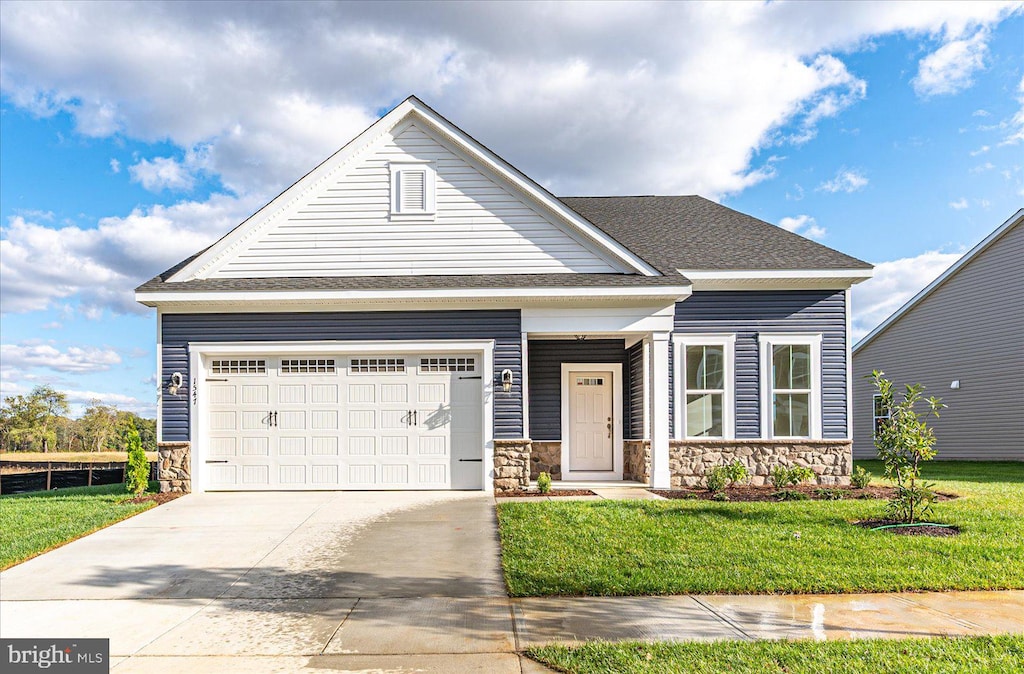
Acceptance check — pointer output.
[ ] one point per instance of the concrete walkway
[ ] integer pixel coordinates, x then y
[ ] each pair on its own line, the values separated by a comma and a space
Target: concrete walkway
385, 581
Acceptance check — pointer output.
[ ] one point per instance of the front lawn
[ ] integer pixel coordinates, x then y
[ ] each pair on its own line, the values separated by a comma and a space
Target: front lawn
33, 523
679, 547
878, 656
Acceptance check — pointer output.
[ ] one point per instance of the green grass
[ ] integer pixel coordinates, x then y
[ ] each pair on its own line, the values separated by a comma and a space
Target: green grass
678, 547
880, 656
33, 523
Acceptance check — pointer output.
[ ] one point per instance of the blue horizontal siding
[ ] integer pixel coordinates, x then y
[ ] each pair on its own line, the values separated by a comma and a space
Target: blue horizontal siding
635, 381
503, 326
545, 367
749, 313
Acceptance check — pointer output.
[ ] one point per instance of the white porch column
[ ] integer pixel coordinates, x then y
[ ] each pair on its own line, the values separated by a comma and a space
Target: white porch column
659, 431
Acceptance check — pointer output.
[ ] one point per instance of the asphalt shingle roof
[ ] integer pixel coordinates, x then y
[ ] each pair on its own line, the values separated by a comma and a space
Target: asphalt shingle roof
669, 233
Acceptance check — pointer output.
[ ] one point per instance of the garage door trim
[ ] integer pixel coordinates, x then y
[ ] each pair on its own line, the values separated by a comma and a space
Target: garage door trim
200, 353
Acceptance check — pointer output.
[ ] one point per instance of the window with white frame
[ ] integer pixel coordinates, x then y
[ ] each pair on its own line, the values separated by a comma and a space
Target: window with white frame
879, 412
791, 386
704, 386
412, 189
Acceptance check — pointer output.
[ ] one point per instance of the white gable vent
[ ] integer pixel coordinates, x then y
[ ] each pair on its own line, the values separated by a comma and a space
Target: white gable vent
412, 189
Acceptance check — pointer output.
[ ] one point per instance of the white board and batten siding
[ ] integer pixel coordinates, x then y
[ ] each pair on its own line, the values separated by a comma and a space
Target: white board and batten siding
345, 226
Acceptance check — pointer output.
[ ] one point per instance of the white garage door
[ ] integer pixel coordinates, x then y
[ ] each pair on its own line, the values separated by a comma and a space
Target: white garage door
339, 422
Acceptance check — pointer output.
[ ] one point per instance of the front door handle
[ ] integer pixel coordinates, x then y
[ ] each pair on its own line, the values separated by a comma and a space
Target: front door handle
609, 427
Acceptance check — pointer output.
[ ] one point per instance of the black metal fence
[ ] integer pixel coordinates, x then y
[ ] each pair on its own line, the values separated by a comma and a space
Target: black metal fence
18, 483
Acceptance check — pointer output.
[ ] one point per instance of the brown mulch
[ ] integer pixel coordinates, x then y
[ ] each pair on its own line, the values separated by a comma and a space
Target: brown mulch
767, 493
158, 499
926, 529
553, 492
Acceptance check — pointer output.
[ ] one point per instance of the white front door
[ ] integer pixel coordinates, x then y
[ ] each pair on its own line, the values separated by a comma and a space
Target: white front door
591, 442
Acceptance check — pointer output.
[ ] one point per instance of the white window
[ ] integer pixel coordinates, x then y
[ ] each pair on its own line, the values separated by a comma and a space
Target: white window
308, 366
704, 386
240, 366
376, 365
451, 364
791, 386
412, 190
879, 412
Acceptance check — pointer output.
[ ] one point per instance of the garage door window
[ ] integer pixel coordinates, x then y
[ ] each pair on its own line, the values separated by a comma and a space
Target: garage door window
308, 366
447, 364
238, 367
377, 365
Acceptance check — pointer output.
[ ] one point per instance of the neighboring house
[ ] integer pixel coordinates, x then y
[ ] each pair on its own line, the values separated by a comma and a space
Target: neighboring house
962, 337
415, 313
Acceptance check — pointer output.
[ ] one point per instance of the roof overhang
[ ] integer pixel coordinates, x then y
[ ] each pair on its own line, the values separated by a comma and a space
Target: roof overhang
775, 279
356, 300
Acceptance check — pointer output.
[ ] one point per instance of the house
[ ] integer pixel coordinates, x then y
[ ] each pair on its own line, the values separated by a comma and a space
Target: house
415, 313
962, 337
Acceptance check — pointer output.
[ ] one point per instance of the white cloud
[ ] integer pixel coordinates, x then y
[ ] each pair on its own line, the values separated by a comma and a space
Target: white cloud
115, 165
52, 325
981, 113
959, 205
893, 284
75, 359
41, 265
804, 225
949, 69
162, 173
1016, 123
981, 168
846, 180
981, 150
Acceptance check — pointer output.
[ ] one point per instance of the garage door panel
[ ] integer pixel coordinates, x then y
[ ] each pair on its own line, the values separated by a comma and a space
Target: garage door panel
433, 446
362, 420
291, 420
432, 393
256, 394
324, 475
394, 445
223, 394
433, 474
291, 474
253, 420
256, 446
225, 446
291, 394
394, 474
362, 393
324, 420
324, 394
394, 393
362, 474
221, 420
223, 475
292, 446
325, 446
363, 445
436, 418
394, 419
256, 475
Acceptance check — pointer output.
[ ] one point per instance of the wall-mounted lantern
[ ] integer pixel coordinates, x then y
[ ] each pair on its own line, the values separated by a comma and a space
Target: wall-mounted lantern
506, 380
955, 385
177, 381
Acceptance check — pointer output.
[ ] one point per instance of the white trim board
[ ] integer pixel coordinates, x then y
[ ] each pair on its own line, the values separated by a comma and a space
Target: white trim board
197, 386
775, 279
1014, 220
617, 458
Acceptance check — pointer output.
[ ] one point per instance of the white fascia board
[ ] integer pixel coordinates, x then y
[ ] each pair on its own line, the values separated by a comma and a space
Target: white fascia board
594, 320
672, 293
765, 279
983, 245
336, 161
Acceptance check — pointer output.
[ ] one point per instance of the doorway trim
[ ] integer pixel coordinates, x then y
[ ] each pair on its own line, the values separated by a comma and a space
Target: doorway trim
616, 473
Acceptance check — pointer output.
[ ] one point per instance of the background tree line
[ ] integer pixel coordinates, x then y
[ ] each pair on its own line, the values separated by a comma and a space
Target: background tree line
39, 422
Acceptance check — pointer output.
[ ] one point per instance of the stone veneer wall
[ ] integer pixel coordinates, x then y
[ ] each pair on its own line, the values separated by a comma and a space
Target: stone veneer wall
689, 460
511, 465
174, 466
636, 460
546, 457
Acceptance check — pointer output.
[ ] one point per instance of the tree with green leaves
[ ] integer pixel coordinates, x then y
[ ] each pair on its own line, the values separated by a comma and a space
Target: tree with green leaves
136, 475
29, 422
904, 440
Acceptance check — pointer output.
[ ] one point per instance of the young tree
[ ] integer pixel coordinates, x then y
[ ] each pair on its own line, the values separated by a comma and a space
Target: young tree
904, 440
136, 476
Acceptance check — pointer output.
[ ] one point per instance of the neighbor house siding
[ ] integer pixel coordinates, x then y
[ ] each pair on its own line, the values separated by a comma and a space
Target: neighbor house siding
546, 358
969, 328
346, 229
750, 313
501, 326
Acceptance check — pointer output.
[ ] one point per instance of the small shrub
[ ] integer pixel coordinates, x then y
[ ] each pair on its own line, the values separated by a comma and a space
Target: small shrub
736, 472
783, 476
829, 494
860, 478
720, 496
136, 474
790, 495
717, 478
544, 483
912, 500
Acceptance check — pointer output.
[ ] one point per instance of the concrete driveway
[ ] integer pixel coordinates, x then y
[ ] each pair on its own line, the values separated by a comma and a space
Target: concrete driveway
278, 582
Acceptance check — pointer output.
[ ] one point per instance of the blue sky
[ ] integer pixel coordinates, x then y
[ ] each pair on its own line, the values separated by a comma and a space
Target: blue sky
140, 133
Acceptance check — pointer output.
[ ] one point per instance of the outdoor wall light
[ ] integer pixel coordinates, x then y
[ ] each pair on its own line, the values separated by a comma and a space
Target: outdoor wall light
506, 380
955, 385
177, 381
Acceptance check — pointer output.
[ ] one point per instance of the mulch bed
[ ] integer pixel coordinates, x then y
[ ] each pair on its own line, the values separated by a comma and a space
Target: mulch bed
769, 493
553, 492
158, 499
916, 530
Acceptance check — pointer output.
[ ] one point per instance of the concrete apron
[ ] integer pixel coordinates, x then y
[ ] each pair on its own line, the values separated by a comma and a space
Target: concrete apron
280, 582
